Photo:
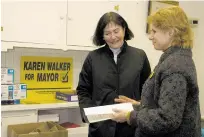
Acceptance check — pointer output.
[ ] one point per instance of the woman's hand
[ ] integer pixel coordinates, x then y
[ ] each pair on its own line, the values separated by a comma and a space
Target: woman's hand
120, 115
124, 99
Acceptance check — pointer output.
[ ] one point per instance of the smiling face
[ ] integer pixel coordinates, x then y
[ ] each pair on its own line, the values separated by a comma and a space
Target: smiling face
114, 35
160, 39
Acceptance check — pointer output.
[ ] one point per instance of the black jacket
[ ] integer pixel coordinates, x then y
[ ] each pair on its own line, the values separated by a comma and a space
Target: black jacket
102, 80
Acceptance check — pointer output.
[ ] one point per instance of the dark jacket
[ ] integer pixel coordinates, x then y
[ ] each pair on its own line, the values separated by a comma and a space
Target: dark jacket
170, 98
102, 80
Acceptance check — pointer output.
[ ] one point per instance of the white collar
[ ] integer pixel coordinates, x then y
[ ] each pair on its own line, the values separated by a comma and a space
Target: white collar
115, 51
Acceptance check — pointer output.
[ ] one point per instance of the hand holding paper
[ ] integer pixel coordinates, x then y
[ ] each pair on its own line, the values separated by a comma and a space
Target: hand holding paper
101, 113
120, 115
124, 99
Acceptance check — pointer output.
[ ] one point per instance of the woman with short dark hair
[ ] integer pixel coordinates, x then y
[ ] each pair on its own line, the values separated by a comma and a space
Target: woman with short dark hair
112, 70
98, 39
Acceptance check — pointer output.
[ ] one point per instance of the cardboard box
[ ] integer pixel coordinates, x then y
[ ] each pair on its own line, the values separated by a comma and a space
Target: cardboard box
6, 92
19, 91
15, 92
66, 96
7, 76
41, 129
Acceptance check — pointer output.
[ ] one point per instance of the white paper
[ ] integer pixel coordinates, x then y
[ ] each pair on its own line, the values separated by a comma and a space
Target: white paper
101, 113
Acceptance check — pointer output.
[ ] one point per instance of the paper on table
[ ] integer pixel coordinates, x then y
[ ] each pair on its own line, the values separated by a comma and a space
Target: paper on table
101, 113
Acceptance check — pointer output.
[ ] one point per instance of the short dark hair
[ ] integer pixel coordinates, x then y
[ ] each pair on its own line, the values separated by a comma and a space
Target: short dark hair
106, 19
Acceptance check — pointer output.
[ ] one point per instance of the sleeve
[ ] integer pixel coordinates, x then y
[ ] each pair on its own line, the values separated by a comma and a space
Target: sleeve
146, 71
167, 117
85, 85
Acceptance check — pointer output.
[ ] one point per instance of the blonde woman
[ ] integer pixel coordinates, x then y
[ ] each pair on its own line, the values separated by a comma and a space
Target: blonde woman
170, 97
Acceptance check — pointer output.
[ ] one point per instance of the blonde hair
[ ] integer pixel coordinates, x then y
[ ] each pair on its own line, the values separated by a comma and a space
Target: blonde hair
174, 18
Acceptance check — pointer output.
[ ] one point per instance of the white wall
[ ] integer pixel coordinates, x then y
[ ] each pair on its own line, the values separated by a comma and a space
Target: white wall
139, 29
195, 9
192, 8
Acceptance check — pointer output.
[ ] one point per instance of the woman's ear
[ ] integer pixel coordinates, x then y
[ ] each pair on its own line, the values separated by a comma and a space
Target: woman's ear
171, 32
124, 29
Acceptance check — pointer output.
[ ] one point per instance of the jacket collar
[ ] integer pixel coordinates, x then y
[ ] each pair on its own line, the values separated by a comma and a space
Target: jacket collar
175, 50
123, 49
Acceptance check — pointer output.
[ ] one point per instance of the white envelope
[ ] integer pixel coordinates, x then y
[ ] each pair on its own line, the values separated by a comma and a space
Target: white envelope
101, 113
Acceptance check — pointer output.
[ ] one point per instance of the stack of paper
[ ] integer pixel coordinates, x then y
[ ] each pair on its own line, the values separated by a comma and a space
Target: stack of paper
101, 113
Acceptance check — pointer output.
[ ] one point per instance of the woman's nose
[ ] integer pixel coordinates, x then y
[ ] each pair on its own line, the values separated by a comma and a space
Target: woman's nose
113, 36
150, 36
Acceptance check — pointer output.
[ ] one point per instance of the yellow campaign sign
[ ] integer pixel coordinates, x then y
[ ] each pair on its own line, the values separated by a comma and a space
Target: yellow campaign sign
44, 96
44, 76
46, 72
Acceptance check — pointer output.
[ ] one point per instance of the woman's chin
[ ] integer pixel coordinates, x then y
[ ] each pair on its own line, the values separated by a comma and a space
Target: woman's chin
155, 47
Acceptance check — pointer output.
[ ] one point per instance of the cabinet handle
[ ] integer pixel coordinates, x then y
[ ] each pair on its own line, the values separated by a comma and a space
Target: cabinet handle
61, 17
69, 18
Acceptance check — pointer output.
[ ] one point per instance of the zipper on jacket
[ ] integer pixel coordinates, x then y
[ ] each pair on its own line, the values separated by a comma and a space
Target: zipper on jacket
118, 75
117, 86
117, 69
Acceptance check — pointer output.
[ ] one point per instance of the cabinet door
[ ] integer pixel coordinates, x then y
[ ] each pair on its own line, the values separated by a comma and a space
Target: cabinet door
36, 22
134, 14
83, 17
